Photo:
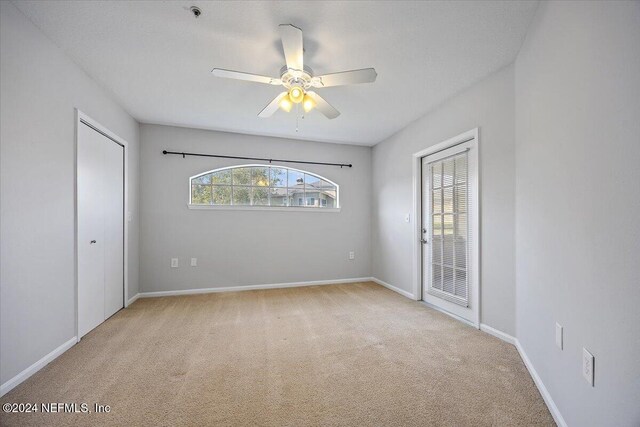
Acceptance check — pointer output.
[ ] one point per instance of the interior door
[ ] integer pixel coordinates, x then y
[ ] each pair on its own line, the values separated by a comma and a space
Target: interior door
448, 182
100, 192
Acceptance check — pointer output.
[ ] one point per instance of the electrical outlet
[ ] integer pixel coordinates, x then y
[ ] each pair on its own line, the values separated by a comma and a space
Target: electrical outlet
352, 255
194, 262
588, 362
174, 262
559, 335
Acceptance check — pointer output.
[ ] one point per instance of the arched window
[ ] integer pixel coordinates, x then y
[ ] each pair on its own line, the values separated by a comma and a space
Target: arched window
262, 186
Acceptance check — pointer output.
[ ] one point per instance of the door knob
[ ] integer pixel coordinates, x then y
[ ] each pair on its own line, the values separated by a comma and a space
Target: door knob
424, 241
92, 242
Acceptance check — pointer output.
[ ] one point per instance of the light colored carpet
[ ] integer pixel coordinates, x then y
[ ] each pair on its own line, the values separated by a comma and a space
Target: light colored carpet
353, 354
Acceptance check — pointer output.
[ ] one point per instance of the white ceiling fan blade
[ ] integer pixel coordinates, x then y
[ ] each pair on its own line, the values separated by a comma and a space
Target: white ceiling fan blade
272, 107
229, 74
292, 45
366, 75
323, 106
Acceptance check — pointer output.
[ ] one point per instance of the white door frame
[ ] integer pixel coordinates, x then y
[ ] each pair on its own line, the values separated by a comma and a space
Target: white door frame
80, 119
417, 215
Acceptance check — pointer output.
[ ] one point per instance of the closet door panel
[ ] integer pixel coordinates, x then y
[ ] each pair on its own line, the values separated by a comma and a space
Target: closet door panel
91, 243
113, 192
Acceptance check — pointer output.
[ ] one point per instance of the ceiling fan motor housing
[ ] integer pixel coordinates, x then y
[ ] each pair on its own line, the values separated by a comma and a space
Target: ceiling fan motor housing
302, 78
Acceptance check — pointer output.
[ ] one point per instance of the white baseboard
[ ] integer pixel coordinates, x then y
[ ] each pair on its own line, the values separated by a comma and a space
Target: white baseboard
252, 287
24, 375
133, 299
393, 288
555, 412
498, 334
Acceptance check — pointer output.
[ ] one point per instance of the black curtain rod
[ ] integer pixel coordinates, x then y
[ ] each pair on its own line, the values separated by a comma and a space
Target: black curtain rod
256, 158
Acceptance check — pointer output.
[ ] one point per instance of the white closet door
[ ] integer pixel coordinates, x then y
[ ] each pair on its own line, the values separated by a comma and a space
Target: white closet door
100, 189
90, 230
113, 191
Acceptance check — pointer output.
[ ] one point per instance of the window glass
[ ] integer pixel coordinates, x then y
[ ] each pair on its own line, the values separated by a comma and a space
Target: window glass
296, 179
203, 179
278, 196
201, 194
260, 196
311, 181
222, 177
278, 177
326, 184
256, 185
241, 195
296, 197
242, 176
221, 195
436, 200
450, 228
260, 177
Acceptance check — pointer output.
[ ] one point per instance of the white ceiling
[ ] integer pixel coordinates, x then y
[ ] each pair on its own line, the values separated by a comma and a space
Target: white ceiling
155, 57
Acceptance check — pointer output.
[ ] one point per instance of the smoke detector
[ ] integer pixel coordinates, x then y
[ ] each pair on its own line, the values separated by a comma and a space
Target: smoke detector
196, 11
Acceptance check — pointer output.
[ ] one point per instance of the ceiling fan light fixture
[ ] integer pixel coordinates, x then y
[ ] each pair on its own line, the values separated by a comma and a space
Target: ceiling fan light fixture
296, 94
285, 104
298, 80
308, 103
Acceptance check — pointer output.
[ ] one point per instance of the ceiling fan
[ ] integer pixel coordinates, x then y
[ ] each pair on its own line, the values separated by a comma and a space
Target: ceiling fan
298, 79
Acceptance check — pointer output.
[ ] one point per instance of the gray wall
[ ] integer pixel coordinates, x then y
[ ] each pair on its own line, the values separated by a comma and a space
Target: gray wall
236, 248
578, 205
488, 105
559, 156
40, 87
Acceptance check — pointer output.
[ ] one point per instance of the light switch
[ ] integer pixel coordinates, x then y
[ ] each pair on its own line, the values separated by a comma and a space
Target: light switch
174, 262
194, 262
587, 366
407, 218
559, 335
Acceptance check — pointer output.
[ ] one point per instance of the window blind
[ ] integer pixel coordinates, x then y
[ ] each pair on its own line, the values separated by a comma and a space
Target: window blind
449, 228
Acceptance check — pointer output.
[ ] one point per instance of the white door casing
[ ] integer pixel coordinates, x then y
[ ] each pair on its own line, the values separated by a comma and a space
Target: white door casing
453, 259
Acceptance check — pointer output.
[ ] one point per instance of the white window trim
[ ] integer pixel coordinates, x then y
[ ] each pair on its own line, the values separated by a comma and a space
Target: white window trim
471, 138
261, 207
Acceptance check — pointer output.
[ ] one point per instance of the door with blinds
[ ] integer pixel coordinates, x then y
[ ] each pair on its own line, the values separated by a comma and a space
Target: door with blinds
449, 185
